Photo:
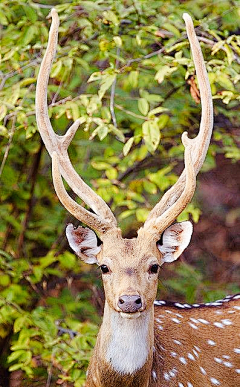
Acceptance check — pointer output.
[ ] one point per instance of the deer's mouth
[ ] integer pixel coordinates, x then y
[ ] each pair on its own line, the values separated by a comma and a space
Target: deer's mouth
130, 315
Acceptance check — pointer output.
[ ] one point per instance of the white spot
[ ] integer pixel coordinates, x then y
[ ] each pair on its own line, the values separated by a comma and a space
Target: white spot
227, 364
211, 342
183, 360
203, 321
180, 385
190, 356
231, 311
195, 353
226, 357
237, 307
193, 325
189, 384
179, 315
158, 320
159, 303
187, 306
173, 372
226, 322
194, 320
173, 354
218, 312
215, 381
177, 342
203, 371
166, 376
168, 311
176, 320
160, 327
196, 305
154, 375
179, 305
218, 325
237, 350
197, 348
236, 297
237, 371
219, 361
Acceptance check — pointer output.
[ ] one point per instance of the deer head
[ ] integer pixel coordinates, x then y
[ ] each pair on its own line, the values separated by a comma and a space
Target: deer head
129, 266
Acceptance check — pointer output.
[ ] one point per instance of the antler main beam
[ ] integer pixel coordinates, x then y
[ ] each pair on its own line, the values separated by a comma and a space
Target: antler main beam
175, 197
104, 218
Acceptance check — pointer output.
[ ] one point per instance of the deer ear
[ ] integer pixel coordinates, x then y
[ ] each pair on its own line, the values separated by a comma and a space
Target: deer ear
83, 241
174, 240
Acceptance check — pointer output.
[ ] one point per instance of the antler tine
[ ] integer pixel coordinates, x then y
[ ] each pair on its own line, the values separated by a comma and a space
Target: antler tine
163, 221
197, 146
59, 144
79, 212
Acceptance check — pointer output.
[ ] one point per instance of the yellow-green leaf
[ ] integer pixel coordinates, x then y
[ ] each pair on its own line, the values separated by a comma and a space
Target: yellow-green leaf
143, 106
128, 146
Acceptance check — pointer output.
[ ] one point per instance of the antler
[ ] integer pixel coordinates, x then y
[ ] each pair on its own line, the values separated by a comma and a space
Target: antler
179, 195
57, 146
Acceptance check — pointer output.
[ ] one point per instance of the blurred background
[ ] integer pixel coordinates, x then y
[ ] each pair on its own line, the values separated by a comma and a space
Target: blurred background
125, 68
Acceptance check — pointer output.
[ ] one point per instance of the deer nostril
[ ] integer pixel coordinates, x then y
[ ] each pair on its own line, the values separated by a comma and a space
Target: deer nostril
129, 304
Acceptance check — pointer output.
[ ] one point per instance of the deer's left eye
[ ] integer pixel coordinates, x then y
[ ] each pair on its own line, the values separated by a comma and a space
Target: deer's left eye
154, 268
104, 269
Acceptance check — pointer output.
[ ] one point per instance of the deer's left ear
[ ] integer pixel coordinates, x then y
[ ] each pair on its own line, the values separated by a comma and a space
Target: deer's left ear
174, 240
83, 241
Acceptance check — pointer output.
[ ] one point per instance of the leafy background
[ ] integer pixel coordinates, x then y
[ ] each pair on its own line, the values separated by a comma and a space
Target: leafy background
123, 66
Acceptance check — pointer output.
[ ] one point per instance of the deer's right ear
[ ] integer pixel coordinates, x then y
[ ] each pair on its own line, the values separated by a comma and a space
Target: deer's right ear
83, 241
174, 240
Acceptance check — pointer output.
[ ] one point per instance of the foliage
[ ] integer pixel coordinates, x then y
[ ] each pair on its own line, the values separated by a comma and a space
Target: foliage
124, 67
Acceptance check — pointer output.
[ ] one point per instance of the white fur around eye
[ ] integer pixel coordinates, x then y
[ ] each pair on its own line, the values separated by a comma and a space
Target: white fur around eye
83, 241
175, 239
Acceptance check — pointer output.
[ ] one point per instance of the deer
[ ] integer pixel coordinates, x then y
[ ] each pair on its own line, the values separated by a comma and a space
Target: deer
143, 342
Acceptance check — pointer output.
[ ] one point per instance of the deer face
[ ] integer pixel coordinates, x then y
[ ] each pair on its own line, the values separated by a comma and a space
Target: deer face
130, 267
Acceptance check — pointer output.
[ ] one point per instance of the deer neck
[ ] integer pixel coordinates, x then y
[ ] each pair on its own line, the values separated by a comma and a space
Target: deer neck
124, 351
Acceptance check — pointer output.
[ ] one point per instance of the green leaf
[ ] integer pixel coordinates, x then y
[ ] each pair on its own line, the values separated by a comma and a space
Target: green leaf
106, 83
151, 135
29, 34
118, 41
164, 72
3, 112
56, 68
150, 187
143, 106
142, 214
157, 110
128, 146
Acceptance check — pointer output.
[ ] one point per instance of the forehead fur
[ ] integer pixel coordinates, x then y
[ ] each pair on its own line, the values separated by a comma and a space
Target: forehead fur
128, 250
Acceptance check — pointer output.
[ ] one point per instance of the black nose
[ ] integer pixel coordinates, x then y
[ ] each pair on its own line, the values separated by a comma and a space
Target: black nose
129, 304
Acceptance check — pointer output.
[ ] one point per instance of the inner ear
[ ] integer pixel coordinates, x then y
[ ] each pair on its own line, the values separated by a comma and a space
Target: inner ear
84, 243
174, 240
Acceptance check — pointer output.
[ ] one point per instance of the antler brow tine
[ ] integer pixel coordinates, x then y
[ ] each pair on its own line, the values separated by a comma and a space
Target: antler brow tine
197, 147
104, 218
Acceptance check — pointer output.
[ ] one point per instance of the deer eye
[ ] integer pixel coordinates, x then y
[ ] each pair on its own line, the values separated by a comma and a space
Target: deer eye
104, 269
154, 268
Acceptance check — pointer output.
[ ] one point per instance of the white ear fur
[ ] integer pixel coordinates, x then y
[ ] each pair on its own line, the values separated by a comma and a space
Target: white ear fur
83, 241
175, 239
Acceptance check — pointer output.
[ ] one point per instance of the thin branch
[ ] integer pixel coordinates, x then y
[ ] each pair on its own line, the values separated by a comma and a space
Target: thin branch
13, 73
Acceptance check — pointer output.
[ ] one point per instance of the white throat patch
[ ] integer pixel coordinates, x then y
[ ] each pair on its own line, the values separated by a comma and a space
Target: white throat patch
128, 347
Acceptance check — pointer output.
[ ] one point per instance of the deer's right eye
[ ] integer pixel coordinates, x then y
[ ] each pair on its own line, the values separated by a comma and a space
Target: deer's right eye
104, 269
